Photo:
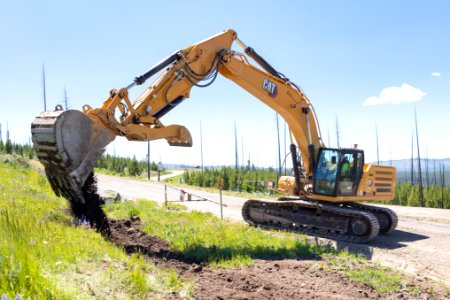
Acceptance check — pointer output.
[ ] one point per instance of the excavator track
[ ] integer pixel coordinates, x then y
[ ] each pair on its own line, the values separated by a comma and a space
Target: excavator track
386, 217
57, 164
313, 218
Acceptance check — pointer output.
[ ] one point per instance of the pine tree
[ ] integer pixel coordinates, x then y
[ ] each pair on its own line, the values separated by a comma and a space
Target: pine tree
8, 147
134, 169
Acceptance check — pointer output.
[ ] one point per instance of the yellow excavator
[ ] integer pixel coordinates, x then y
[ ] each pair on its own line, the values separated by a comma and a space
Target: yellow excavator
327, 184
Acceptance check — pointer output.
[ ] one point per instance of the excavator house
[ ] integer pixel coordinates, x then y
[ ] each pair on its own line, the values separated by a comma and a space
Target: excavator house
322, 198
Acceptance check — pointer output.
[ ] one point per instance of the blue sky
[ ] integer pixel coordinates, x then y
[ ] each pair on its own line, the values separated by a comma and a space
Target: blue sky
342, 53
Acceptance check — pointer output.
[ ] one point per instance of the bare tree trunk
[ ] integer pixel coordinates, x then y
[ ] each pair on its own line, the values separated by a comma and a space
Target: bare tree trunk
43, 87
427, 176
236, 166
148, 159
279, 147
66, 105
418, 159
412, 159
201, 146
329, 143
242, 152
442, 185
285, 151
337, 133
378, 149
390, 155
434, 169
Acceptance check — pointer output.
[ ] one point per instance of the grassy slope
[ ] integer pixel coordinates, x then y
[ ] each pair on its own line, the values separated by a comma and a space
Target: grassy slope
44, 256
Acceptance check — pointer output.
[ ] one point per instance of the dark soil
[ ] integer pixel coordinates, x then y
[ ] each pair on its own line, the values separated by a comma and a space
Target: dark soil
266, 279
91, 211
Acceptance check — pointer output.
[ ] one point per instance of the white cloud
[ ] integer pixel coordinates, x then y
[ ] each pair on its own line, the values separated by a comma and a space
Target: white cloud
436, 74
396, 95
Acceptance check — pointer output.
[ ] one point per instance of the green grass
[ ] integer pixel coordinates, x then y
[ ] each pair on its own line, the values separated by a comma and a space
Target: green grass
44, 256
206, 238
359, 269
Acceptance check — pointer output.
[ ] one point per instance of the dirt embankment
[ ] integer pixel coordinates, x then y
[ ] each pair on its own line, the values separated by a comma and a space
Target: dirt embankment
266, 279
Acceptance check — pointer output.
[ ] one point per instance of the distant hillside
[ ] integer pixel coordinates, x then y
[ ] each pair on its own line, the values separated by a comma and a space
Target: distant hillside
403, 167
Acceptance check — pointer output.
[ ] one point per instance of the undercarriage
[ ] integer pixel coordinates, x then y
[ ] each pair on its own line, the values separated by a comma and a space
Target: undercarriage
350, 222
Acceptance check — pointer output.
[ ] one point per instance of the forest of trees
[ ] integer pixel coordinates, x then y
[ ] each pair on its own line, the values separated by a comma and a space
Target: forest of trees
9, 147
124, 165
249, 179
436, 196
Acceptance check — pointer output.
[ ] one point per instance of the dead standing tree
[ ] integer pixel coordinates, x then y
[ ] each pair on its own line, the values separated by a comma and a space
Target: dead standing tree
66, 100
418, 159
412, 158
279, 146
442, 184
378, 149
43, 87
337, 133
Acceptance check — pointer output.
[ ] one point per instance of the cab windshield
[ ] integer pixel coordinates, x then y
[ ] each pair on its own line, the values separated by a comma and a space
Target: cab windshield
325, 177
338, 172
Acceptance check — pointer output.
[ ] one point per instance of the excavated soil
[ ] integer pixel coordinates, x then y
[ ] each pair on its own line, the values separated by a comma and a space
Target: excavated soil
266, 279
91, 211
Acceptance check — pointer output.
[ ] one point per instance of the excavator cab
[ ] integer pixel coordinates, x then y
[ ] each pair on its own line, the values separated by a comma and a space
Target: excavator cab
338, 172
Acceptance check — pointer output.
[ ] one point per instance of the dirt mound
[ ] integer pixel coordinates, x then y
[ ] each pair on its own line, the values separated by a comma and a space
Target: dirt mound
266, 279
127, 233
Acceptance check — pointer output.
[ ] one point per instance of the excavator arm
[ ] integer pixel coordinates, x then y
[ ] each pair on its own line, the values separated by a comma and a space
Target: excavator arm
191, 67
69, 143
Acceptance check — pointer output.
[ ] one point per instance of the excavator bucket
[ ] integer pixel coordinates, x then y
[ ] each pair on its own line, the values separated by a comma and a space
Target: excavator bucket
68, 143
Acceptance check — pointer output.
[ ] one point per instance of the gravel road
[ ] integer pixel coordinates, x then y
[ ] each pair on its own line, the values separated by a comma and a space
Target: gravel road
420, 246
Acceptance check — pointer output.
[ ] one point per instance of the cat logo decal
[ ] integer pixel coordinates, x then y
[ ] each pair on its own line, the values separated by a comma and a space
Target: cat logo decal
270, 87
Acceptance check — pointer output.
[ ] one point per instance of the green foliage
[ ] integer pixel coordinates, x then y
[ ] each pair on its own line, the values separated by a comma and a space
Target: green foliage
8, 147
358, 268
124, 165
435, 196
249, 179
379, 280
43, 255
134, 168
12, 148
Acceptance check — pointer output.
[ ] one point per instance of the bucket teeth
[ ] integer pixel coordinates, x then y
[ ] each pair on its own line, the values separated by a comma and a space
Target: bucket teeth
68, 144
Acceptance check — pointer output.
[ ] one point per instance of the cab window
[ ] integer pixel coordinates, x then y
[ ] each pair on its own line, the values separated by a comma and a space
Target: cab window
326, 172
